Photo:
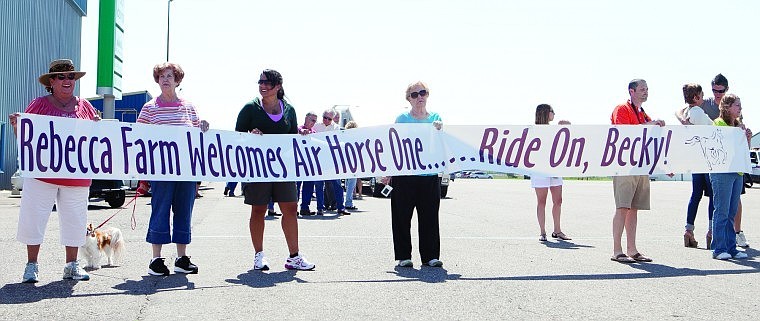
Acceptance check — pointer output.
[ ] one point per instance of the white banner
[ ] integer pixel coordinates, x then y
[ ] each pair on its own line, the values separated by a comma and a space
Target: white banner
73, 148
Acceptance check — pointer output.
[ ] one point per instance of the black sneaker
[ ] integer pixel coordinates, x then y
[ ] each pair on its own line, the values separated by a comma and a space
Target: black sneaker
272, 212
157, 267
183, 265
306, 212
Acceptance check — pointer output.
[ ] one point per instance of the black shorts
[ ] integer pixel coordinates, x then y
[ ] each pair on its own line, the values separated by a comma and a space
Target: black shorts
262, 193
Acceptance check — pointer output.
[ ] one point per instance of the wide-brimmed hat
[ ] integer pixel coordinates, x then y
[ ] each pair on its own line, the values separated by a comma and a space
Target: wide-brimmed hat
60, 66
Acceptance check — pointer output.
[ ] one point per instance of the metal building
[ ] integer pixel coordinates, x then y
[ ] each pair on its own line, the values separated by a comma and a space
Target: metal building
32, 34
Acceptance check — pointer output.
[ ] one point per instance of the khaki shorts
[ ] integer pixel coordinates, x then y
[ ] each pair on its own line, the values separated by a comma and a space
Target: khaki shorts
631, 192
262, 193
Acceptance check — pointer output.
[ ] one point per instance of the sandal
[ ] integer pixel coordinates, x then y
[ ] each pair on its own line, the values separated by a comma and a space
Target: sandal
561, 236
638, 257
542, 238
622, 258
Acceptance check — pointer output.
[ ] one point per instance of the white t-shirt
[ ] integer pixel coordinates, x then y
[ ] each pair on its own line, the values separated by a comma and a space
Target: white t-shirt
320, 127
697, 116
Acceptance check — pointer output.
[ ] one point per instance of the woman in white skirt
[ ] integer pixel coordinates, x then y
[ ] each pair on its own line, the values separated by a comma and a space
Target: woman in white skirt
543, 185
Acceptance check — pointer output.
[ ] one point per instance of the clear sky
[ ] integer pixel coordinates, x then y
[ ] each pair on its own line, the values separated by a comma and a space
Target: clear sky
485, 61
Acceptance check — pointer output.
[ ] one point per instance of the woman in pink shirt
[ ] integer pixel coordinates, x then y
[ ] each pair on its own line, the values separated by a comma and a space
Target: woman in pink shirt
69, 195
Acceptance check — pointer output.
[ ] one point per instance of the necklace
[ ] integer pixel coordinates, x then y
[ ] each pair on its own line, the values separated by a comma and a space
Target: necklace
64, 105
272, 109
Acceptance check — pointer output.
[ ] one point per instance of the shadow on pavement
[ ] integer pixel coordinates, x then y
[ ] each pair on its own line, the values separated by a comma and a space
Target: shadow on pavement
16, 293
565, 245
155, 284
261, 279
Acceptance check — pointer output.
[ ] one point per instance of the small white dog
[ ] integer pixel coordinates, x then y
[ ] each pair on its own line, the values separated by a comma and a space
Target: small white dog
107, 242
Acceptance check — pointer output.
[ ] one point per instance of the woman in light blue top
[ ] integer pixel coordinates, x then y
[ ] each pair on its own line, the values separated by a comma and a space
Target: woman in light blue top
422, 192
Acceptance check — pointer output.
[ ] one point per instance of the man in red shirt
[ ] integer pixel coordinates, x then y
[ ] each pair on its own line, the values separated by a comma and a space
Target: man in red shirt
631, 192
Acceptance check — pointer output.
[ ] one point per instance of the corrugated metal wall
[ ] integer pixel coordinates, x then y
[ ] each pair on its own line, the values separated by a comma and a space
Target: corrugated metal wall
32, 33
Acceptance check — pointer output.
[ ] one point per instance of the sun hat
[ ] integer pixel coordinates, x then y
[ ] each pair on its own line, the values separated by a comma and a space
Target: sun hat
60, 66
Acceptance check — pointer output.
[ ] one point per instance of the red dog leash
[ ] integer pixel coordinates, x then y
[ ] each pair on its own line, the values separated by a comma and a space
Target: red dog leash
134, 207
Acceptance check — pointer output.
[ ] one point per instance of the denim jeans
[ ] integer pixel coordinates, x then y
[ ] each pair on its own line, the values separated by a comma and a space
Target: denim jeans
307, 189
232, 186
337, 191
171, 197
726, 190
350, 187
700, 185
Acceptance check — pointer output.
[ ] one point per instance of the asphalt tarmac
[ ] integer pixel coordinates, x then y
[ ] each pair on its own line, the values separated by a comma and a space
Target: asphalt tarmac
494, 265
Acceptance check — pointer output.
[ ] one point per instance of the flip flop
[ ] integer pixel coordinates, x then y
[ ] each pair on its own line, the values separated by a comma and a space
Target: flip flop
622, 258
638, 257
561, 236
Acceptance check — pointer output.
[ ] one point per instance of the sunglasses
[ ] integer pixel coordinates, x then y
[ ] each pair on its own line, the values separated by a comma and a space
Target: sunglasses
719, 91
422, 93
266, 82
62, 77
325, 117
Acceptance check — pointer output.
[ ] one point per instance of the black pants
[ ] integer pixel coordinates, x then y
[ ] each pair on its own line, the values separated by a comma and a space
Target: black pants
423, 193
329, 195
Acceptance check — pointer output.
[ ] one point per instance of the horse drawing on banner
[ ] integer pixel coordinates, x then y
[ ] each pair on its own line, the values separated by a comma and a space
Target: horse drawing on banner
712, 148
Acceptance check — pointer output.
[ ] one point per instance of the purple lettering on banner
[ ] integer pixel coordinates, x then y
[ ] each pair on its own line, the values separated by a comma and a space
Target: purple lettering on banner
535, 144
392, 133
667, 147
516, 147
125, 147
197, 156
25, 143
240, 161
282, 162
212, 153
315, 153
335, 148
659, 143
359, 147
141, 158
83, 169
351, 158
42, 143
170, 156
624, 146
70, 147
227, 150
152, 146
489, 139
645, 148
417, 150
300, 161
378, 151
91, 147
271, 157
609, 147
256, 158
632, 160
221, 154
106, 158
563, 135
56, 147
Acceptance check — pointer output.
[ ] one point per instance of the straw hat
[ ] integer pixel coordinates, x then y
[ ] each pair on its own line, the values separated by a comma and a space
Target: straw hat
60, 66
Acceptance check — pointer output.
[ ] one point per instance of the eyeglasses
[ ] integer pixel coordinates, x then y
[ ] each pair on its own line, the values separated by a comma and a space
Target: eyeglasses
325, 117
422, 93
719, 91
266, 82
71, 76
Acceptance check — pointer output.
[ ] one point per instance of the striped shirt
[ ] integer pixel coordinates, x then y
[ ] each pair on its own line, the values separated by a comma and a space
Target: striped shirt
179, 113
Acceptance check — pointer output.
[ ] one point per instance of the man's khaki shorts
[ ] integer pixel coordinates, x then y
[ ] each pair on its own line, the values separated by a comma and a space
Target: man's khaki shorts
631, 191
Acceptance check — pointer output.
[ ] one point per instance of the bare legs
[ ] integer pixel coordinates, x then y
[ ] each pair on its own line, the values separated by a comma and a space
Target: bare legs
289, 225
625, 218
33, 252
541, 194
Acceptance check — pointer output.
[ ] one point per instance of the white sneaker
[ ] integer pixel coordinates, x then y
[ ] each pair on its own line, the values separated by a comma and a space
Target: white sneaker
723, 256
740, 255
260, 262
405, 263
30, 273
741, 240
434, 263
299, 263
74, 272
